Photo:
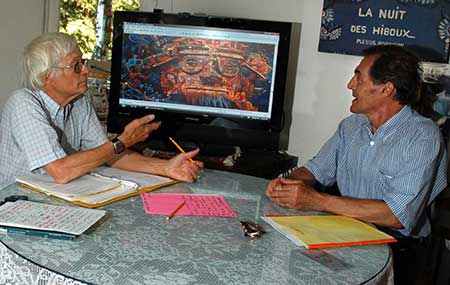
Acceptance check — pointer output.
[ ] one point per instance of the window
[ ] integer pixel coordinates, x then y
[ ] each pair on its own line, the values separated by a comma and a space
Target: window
90, 22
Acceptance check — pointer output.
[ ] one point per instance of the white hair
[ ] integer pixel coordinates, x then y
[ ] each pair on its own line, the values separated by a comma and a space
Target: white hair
42, 54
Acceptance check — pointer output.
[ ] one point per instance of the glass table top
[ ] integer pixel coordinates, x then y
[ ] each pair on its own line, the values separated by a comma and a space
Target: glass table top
131, 247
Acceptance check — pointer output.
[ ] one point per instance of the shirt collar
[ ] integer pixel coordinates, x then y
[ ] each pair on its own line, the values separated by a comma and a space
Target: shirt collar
52, 107
398, 118
393, 123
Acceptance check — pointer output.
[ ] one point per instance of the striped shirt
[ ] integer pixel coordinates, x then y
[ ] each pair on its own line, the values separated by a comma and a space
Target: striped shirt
403, 164
35, 130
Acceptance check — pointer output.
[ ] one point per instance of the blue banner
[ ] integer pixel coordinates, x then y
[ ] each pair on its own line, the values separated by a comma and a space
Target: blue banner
350, 26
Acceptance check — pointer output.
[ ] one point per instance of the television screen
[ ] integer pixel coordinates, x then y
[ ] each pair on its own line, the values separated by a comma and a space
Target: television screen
190, 69
198, 70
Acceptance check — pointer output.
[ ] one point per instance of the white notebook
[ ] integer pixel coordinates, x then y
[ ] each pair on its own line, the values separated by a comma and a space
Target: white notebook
104, 185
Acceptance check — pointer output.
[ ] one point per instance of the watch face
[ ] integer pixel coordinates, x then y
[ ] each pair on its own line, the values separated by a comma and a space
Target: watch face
119, 147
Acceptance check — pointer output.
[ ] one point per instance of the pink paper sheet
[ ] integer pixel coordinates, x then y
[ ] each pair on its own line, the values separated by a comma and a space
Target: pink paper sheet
195, 205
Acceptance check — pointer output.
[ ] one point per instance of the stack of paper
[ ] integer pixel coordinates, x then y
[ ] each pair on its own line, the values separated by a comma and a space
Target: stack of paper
47, 220
327, 231
102, 186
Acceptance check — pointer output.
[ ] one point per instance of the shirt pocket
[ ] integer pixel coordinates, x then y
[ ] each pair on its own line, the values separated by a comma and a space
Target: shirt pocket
386, 177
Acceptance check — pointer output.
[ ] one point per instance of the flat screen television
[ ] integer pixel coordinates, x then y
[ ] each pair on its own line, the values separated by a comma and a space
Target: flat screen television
210, 80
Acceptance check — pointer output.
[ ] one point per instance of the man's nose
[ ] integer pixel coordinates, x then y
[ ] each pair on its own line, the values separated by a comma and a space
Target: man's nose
351, 84
85, 69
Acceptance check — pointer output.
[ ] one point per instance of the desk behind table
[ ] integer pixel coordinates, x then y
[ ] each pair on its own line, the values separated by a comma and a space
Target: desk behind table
131, 247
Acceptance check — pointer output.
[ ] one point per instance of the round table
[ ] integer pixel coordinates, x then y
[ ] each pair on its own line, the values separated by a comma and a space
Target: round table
131, 247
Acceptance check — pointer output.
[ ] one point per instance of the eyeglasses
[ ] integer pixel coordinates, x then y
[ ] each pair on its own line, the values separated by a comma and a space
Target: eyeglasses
77, 67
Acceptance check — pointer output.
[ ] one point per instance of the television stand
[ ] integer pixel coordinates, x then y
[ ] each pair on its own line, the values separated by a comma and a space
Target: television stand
265, 164
259, 163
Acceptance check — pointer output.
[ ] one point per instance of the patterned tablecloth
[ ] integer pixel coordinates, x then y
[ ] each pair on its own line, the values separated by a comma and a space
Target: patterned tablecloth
131, 247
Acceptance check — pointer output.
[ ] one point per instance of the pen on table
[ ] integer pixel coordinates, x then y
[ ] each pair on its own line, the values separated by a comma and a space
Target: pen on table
179, 147
175, 211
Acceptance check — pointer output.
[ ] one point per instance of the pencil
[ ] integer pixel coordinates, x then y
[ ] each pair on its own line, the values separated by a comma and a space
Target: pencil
175, 211
179, 148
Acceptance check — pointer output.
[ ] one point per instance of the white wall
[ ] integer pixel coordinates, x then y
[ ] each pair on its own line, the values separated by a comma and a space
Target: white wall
321, 98
20, 21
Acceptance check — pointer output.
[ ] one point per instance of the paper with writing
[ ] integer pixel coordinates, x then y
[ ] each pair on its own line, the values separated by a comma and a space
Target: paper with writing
195, 205
40, 216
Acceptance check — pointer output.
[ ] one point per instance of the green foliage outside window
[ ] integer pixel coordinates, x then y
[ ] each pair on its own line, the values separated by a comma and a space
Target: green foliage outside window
78, 18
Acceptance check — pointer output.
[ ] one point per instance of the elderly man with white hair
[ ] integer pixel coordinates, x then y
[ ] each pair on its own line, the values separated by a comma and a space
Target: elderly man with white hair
49, 126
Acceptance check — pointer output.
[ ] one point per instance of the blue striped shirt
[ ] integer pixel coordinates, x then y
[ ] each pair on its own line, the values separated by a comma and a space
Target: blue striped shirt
403, 164
35, 130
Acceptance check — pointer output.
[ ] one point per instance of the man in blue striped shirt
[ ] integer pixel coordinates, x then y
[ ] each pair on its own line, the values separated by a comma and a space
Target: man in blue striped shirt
388, 161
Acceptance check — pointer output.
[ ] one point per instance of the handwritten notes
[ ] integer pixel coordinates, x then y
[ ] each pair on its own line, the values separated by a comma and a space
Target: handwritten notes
195, 205
40, 216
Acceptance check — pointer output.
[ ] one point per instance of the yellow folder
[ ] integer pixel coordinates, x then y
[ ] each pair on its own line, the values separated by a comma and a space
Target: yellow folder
321, 231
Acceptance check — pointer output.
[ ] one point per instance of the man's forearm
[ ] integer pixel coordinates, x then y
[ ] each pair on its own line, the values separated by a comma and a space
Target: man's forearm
133, 161
372, 211
75, 165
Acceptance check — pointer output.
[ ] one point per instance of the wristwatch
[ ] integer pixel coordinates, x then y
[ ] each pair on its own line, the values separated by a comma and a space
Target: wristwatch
119, 147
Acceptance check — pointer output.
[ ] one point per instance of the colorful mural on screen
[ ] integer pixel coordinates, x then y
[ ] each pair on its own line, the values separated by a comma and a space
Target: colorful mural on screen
194, 71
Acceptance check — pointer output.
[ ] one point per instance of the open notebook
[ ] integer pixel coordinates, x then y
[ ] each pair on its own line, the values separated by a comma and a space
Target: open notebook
321, 231
104, 185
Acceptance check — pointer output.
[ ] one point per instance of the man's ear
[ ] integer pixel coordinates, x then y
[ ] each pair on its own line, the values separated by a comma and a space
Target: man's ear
47, 77
389, 88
